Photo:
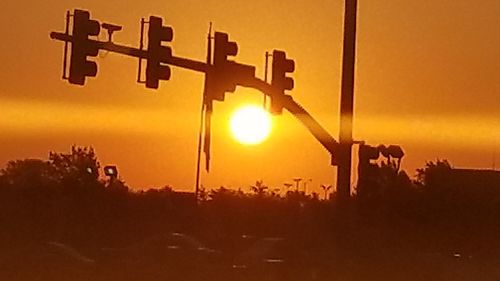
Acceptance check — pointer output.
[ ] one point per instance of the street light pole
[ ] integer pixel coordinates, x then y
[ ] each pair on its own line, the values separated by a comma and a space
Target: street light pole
297, 181
305, 185
343, 156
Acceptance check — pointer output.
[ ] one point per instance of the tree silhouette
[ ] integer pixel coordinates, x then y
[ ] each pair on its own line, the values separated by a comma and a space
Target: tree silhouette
431, 175
29, 173
259, 188
64, 200
79, 167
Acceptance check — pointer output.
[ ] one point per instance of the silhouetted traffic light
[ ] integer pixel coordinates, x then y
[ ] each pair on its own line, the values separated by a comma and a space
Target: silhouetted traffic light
223, 49
157, 53
225, 74
221, 80
279, 80
82, 47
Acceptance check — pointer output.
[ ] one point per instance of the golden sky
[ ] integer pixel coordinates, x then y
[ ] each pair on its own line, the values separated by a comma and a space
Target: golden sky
428, 78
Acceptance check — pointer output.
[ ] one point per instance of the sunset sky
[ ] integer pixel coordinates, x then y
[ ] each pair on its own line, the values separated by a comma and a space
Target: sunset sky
428, 78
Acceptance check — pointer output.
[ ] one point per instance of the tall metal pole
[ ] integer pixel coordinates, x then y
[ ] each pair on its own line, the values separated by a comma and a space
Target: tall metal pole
141, 47
347, 101
198, 160
265, 74
65, 59
202, 115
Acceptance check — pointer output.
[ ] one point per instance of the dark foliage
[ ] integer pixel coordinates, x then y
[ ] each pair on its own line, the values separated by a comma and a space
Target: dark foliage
392, 222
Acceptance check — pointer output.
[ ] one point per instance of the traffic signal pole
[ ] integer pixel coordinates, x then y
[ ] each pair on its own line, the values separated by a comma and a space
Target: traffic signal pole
135, 52
328, 142
224, 74
203, 113
344, 152
319, 133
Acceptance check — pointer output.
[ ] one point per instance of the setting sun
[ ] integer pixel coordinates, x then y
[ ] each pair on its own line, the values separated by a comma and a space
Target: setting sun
250, 124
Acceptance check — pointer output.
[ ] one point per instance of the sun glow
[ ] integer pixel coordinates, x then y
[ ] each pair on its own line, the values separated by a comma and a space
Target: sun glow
250, 124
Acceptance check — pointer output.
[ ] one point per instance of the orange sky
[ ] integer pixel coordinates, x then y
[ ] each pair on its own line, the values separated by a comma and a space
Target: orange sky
428, 78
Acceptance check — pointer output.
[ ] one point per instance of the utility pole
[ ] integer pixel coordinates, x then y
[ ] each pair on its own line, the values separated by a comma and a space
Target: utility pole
343, 156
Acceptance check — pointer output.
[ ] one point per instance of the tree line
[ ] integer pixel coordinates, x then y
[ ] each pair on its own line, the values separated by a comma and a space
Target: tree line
65, 199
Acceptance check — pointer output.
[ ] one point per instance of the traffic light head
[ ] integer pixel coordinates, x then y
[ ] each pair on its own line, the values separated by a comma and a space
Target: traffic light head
224, 75
82, 47
157, 53
279, 81
223, 48
282, 66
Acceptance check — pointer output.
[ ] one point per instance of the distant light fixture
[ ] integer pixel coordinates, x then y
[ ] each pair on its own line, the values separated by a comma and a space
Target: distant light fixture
111, 171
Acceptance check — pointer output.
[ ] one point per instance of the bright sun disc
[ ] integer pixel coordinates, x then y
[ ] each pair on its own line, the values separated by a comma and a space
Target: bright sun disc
250, 124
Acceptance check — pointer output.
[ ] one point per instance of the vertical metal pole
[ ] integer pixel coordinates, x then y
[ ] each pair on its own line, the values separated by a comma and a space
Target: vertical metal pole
208, 106
208, 134
347, 101
141, 46
202, 115
197, 184
65, 59
265, 75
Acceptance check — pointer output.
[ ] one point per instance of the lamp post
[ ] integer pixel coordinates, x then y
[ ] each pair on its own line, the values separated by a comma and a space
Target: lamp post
305, 185
325, 189
297, 181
